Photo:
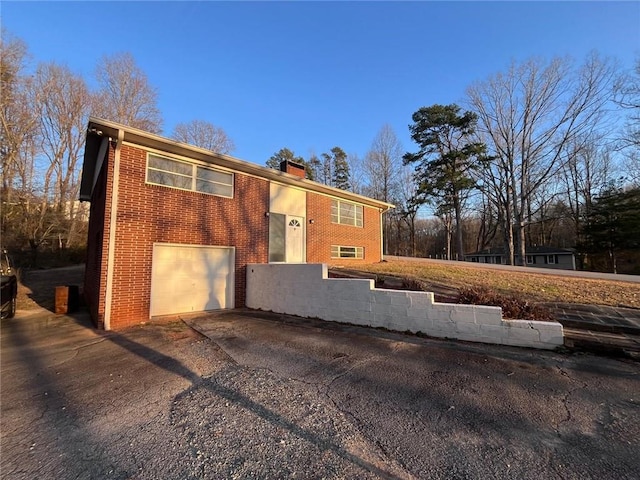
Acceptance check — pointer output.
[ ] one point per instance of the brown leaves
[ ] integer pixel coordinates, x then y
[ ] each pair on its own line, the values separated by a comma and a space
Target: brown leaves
532, 287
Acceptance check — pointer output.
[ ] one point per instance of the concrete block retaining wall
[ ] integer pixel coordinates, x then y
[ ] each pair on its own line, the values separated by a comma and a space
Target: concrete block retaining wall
306, 291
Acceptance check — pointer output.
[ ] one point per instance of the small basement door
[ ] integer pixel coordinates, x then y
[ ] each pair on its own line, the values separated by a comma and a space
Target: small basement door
191, 278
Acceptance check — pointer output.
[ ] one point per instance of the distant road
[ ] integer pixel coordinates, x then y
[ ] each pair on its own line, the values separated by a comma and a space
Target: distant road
536, 270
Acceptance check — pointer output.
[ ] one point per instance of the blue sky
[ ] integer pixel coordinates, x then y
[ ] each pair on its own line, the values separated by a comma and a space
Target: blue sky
310, 76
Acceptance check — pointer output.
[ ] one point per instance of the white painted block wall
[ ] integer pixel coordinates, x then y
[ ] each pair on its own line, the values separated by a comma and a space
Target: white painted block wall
306, 291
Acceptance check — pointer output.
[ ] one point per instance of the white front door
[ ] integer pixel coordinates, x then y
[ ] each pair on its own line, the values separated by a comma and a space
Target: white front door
295, 239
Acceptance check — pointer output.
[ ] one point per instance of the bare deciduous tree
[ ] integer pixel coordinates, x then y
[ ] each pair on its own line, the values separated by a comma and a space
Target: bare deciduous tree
407, 204
63, 102
125, 95
356, 173
203, 134
484, 222
528, 115
587, 171
18, 126
590, 169
383, 167
627, 96
18, 144
383, 164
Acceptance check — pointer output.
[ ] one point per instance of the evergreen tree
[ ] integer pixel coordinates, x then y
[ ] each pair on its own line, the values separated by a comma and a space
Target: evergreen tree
340, 177
314, 165
325, 169
446, 158
613, 224
284, 154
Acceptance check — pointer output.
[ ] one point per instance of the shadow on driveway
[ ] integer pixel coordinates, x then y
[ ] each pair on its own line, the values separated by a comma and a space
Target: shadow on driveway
27, 347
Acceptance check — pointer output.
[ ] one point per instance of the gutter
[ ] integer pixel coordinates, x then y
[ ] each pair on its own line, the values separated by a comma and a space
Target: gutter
112, 232
150, 140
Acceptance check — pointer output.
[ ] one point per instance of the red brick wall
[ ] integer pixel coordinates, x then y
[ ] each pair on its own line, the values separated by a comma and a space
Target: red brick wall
149, 213
95, 276
321, 234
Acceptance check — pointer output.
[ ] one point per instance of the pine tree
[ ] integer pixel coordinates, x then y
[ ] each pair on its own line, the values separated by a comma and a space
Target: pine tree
341, 175
446, 158
284, 154
613, 224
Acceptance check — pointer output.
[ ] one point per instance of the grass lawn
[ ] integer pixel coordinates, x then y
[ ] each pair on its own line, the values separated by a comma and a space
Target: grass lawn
530, 286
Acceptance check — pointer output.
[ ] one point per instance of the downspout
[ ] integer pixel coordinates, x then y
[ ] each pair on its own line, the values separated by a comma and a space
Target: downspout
382, 239
381, 234
112, 232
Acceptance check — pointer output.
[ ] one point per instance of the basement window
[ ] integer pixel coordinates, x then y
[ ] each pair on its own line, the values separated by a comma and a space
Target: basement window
339, 251
346, 213
182, 175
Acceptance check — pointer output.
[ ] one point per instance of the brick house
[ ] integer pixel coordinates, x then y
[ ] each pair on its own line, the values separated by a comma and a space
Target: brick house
542, 257
173, 226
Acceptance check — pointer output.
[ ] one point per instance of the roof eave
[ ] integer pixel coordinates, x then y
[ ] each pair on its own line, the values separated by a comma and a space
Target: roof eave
99, 127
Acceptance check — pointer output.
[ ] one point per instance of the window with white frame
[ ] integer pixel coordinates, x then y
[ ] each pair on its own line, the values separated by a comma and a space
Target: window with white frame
277, 237
187, 176
340, 251
531, 260
346, 213
551, 259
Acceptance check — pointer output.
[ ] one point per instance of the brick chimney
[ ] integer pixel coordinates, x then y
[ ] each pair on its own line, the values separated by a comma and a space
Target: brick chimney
292, 168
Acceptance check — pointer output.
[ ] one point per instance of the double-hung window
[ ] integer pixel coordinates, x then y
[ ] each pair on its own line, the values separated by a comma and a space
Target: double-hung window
346, 213
187, 176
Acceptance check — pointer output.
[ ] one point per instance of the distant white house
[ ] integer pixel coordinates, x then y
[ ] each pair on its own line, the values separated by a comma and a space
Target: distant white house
543, 257
77, 209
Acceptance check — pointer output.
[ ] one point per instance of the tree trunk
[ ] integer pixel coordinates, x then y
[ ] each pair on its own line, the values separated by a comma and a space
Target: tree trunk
614, 263
522, 243
508, 234
510, 246
398, 235
459, 243
412, 235
448, 233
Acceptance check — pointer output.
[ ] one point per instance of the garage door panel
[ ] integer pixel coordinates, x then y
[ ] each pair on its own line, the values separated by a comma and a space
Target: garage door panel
191, 279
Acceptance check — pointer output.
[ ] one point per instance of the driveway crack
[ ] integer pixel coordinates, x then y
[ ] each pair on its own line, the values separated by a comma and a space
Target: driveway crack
567, 396
76, 351
227, 356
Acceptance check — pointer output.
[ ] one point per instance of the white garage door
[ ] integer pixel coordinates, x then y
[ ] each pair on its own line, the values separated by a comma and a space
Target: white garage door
189, 278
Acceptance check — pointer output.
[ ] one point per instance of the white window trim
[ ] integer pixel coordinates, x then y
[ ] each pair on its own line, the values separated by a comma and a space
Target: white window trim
358, 250
355, 219
194, 175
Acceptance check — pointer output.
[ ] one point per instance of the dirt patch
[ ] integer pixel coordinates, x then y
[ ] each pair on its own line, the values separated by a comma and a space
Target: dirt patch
36, 288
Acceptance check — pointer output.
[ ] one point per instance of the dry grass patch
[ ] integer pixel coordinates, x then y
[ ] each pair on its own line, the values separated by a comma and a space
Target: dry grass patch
533, 287
36, 288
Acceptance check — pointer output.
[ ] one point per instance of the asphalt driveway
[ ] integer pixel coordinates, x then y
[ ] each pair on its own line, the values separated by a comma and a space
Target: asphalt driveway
251, 395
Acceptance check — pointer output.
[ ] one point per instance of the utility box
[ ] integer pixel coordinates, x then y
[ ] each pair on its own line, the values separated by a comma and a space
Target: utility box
67, 299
